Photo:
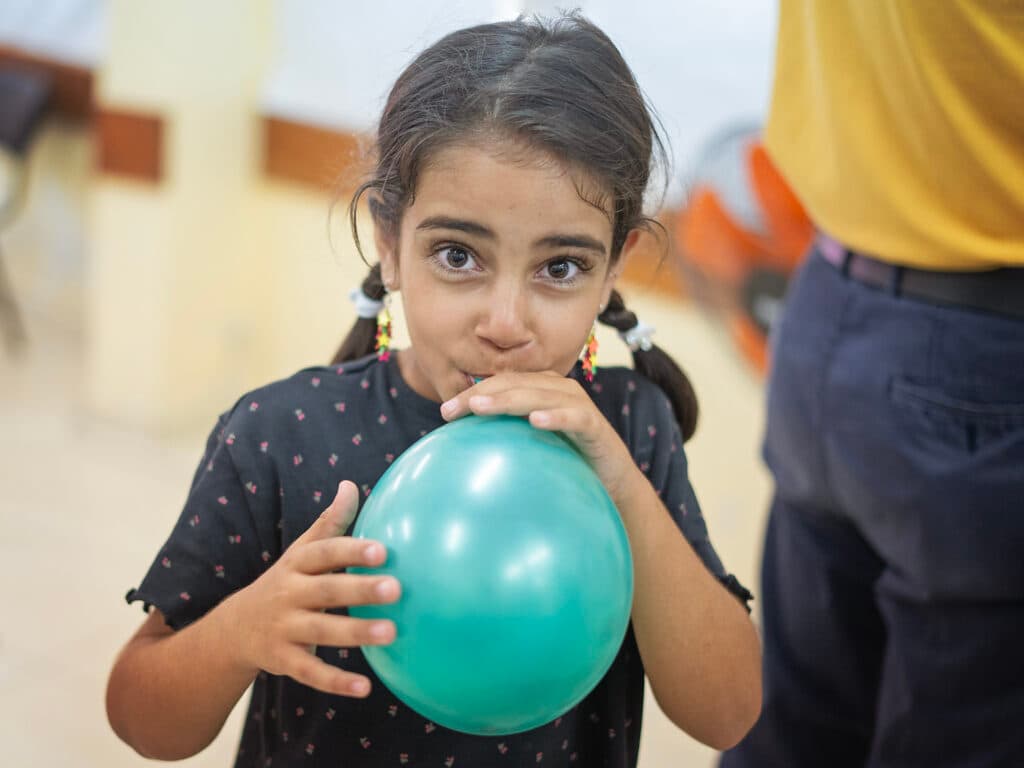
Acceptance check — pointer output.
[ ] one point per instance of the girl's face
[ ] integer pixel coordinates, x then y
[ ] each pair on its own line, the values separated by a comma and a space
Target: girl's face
501, 265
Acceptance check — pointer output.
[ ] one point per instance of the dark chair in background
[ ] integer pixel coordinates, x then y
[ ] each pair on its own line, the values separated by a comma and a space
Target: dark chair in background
24, 95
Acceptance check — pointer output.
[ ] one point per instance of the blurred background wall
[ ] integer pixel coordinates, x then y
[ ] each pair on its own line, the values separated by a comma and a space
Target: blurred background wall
175, 249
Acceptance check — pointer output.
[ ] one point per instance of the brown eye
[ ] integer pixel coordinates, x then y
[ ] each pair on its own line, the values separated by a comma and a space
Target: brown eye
456, 258
562, 269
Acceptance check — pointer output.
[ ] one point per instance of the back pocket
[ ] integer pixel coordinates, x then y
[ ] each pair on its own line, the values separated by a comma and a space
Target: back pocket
969, 415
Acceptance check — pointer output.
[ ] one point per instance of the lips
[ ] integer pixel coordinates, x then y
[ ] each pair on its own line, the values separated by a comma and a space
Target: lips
475, 378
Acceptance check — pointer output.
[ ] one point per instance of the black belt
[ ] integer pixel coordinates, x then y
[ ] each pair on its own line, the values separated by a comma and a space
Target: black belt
1000, 291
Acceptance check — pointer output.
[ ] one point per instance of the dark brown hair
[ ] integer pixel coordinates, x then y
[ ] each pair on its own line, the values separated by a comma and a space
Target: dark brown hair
558, 86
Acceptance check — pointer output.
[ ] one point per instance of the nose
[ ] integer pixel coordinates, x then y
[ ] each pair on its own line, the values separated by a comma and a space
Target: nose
504, 322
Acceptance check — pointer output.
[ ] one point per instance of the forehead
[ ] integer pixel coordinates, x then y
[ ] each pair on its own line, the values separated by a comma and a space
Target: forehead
505, 183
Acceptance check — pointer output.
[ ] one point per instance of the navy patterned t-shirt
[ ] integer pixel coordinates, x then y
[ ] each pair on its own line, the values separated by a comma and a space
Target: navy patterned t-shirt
273, 464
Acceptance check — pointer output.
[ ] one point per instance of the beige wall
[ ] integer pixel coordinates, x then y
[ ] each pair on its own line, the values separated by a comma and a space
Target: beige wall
181, 275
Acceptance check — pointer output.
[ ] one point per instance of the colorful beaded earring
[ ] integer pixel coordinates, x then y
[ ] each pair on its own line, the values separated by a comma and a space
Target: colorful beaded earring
590, 357
383, 345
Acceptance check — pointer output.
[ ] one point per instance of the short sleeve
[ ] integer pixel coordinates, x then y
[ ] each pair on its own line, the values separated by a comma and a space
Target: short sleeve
226, 536
656, 443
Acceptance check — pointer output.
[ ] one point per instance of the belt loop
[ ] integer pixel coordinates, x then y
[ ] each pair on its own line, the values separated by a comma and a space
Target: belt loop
896, 285
844, 268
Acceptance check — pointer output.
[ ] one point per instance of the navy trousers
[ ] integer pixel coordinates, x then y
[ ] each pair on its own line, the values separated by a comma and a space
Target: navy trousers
893, 571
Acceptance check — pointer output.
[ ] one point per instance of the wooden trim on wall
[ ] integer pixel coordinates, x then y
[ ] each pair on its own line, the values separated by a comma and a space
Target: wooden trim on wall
307, 154
72, 84
130, 144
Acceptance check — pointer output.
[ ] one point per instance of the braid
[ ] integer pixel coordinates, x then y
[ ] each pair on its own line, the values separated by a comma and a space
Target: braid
362, 337
656, 365
616, 315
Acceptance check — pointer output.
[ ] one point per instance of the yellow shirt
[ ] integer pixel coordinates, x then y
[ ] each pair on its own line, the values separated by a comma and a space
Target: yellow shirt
900, 125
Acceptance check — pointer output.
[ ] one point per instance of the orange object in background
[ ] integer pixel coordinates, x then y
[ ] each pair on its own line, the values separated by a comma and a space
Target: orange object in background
740, 236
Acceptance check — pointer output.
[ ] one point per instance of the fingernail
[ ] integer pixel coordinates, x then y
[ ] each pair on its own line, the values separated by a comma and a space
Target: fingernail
385, 588
380, 631
448, 408
541, 418
372, 553
359, 687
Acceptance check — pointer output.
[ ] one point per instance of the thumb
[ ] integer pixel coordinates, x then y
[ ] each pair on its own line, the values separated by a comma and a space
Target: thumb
338, 516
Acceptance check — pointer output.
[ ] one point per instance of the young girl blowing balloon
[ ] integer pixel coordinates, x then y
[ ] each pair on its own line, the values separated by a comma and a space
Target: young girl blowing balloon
511, 164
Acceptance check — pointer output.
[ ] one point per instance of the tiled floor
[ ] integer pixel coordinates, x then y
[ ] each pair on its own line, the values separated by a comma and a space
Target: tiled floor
85, 504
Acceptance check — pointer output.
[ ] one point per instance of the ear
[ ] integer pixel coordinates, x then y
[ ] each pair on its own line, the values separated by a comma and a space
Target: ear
613, 273
387, 253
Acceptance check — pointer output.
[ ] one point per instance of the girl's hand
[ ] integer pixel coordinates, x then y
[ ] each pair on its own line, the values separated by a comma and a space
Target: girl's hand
280, 617
554, 403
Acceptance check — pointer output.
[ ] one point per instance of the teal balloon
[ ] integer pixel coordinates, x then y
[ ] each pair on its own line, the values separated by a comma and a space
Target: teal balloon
516, 574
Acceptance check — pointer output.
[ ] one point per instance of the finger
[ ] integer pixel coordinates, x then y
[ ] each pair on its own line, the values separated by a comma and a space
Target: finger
337, 517
343, 508
303, 667
545, 380
575, 422
339, 631
518, 378
523, 401
517, 401
344, 589
337, 552
526, 381
337, 590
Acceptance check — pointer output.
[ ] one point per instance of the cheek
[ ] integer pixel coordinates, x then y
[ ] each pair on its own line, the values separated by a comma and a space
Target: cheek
564, 336
432, 324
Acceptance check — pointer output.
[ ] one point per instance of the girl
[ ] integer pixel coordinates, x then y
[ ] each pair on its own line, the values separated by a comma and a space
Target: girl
512, 160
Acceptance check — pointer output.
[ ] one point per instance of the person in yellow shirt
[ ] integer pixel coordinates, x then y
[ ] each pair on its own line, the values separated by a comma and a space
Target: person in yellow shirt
893, 573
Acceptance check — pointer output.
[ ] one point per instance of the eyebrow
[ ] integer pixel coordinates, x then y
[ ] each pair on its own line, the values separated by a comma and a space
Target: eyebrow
474, 228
